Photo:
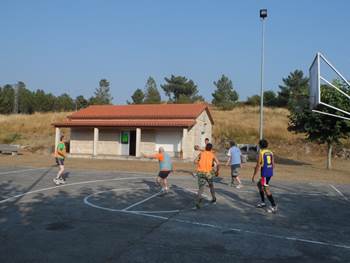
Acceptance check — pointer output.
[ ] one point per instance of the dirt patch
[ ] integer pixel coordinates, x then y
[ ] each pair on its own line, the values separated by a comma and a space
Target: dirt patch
314, 172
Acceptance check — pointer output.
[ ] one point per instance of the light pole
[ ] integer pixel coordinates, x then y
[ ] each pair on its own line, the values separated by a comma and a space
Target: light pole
263, 15
15, 98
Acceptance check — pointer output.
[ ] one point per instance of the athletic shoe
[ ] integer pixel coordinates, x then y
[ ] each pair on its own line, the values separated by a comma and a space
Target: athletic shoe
261, 205
56, 182
61, 181
213, 201
198, 203
163, 192
239, 186
272, 209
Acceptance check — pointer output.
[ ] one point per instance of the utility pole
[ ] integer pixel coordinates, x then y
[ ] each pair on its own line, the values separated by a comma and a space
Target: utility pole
263, 15
15, 103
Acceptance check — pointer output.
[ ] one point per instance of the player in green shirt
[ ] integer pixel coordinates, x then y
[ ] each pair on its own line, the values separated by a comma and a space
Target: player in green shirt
60, 155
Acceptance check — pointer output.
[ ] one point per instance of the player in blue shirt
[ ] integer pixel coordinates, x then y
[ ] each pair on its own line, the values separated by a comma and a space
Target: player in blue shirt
234, 161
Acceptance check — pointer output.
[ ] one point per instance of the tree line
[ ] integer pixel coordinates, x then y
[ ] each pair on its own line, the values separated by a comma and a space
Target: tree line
177, 89
29, 101
292, 94
180, 89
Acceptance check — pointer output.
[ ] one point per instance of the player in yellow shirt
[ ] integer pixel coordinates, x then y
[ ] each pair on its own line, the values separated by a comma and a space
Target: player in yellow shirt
265, 164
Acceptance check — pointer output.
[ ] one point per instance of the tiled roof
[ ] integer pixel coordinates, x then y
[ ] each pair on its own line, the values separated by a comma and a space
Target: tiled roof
153, 115
126, 123
141, 111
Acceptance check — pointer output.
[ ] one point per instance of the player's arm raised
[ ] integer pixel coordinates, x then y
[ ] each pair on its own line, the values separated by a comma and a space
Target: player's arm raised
150, 156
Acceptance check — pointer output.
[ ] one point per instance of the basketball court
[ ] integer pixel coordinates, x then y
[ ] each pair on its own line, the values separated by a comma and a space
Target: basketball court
121, 217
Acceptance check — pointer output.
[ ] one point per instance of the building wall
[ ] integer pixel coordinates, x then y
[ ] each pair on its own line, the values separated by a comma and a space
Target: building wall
203, 129
148, 141
109, 139
108, 142
170, 139
196, 135
81, 140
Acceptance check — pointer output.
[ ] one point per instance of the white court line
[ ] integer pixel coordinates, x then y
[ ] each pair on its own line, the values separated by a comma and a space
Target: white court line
286, 193
303, 240
152, 215
340, 193
72, 184
141, 202
87, 202
157, 212
20, 171
177, 220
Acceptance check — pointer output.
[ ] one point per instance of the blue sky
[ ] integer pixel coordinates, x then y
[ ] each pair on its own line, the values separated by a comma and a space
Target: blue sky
68, 46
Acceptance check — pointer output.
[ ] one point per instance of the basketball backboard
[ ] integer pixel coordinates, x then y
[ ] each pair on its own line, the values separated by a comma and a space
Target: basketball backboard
319, 82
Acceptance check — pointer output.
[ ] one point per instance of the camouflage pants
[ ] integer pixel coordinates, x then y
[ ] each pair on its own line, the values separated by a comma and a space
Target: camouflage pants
204, 178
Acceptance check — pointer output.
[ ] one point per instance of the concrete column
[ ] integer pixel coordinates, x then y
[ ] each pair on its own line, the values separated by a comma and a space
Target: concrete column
138, 142
184, 146
57, 137
95, 142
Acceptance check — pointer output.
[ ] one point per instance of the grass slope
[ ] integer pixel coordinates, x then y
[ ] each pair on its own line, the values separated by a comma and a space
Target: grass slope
36, 133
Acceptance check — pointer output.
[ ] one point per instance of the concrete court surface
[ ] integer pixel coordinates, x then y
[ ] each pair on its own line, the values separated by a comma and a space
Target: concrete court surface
120, 217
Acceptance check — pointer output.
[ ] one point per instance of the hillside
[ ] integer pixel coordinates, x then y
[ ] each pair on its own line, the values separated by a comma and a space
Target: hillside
36, 134
242, 125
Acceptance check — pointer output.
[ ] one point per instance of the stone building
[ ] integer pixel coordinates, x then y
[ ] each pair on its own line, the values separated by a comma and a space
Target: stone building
130, 130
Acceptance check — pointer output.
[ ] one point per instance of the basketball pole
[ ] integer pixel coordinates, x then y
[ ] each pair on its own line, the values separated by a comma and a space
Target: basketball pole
263, 15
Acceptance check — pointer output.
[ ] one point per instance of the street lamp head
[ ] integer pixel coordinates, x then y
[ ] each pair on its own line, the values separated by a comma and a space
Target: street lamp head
263, 13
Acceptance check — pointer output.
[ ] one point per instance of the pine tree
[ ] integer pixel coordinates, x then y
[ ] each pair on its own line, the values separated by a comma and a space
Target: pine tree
137, 97
179, 89
152, 95
224, 96
294, 87
102, 94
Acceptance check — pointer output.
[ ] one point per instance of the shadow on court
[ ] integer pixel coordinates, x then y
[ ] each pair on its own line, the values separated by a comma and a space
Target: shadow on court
56, 225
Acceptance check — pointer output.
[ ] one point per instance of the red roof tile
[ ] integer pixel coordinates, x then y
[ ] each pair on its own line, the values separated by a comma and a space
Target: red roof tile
154, 115
126, 123
141, 111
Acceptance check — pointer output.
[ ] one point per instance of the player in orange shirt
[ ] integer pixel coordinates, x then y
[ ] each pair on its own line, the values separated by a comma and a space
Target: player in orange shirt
205, 172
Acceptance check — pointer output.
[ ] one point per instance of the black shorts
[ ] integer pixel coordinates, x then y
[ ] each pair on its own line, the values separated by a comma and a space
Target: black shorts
60, 161
164, 174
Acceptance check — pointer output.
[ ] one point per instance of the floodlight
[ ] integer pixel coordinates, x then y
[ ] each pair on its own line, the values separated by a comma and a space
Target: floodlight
263, 13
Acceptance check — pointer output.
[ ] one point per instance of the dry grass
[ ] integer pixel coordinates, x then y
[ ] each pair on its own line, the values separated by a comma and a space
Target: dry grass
242, 125
32, 131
